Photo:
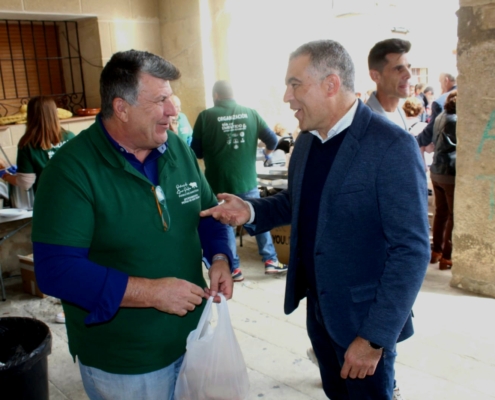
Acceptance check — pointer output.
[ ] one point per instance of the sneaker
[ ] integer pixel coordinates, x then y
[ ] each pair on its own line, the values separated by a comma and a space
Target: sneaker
397, 395
60, 318
275, 267
312, 356
445, 264
237, 275
435, 257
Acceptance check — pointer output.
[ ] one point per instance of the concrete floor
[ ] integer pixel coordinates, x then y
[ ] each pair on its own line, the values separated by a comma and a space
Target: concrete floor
452, 355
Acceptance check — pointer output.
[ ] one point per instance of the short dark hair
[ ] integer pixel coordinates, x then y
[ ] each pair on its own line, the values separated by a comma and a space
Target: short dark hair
377, 56
428, 89
419, 86
120, 77
223, 89
329, 57
450, 105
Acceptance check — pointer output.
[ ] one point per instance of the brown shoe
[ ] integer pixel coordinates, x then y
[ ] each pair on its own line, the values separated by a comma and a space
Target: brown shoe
435, 257
445, 264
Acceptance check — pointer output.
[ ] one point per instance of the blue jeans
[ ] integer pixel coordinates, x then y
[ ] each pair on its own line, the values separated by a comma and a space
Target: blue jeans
264, 240
330, 355
101, 385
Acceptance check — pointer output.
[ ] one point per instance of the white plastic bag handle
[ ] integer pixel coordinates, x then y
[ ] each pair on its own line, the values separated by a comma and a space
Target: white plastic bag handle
207, 314
205, 319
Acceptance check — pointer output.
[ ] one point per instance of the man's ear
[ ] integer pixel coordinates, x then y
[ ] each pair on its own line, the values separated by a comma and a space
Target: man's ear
332, 84
121, 109
375, 75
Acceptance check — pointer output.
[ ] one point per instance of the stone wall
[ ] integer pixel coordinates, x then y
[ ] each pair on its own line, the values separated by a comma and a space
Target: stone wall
474, 233
180, 31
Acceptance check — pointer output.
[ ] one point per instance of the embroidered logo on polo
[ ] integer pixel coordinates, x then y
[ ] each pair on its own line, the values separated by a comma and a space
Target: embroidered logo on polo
188, 192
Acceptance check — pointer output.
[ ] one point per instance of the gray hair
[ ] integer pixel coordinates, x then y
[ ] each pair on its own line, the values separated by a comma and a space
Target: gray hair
450, 77
329, 57
120, 77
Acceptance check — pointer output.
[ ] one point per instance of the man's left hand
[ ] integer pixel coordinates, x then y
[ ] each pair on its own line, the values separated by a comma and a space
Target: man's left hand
220, 281
360, 360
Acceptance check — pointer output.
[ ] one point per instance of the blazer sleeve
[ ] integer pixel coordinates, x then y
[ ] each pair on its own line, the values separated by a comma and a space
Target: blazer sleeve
270, 212
402, 200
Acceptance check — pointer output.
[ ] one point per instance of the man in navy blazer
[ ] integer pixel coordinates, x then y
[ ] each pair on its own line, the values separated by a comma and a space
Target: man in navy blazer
357, 205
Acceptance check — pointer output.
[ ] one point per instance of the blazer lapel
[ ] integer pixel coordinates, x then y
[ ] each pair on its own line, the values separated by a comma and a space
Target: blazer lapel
298, 166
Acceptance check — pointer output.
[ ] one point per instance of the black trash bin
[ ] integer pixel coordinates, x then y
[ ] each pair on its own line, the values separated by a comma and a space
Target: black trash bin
25, 344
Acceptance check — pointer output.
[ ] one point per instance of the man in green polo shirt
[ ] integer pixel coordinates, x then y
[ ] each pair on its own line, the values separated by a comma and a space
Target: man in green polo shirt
117, 236
226, 135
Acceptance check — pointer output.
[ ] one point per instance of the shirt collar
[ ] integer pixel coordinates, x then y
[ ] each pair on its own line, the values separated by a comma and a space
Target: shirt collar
343, 123
161, 149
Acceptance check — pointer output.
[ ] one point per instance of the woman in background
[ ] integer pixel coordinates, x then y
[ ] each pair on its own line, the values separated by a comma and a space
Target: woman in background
413, 108
43, 137
442, 174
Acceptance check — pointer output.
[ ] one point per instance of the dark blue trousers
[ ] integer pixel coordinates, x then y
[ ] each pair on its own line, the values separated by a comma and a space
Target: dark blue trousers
331, 359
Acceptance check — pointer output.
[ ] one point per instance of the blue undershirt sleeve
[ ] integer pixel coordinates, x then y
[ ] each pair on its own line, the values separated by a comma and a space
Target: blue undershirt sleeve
95, 288
269, 138
214, 239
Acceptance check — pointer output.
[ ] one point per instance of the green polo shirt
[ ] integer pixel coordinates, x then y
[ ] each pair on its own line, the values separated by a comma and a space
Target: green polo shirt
31, 160
228, 134
91, 197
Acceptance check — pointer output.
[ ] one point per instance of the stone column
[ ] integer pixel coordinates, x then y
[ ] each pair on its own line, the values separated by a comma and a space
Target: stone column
474, 230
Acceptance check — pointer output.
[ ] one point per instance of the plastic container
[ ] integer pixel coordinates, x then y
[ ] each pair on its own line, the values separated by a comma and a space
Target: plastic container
25, 344
20, 198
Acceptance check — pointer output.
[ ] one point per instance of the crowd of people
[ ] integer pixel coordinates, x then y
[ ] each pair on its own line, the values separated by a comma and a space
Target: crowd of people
123, 242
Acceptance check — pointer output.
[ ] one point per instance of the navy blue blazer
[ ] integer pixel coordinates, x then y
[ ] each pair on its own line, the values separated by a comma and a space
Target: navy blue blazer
372, 247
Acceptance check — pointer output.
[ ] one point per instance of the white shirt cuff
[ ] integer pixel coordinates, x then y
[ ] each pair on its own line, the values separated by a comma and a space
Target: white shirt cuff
253, 214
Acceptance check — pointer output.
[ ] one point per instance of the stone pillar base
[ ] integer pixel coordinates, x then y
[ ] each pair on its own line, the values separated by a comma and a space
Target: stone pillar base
473, 285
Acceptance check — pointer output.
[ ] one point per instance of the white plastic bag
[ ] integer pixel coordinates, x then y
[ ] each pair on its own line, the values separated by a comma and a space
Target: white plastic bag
213, 366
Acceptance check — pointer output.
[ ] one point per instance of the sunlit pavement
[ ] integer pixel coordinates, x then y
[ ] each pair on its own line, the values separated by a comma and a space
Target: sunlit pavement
451, 356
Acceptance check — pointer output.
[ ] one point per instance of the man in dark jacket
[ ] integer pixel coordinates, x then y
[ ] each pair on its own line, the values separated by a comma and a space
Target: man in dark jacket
357, 204
447, 83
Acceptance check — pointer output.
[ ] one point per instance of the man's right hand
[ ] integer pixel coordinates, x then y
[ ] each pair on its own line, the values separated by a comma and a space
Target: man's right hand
232, 211
170, 295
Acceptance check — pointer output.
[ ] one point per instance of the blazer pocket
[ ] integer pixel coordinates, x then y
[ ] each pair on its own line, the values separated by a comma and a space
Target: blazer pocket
363, 292
358, 187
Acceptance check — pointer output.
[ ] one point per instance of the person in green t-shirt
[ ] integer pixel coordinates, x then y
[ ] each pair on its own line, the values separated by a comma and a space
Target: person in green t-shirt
118, 237
226, 136
43, 137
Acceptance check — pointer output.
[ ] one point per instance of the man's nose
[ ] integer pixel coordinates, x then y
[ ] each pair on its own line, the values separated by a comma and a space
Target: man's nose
169, 109
409, 73
288, 95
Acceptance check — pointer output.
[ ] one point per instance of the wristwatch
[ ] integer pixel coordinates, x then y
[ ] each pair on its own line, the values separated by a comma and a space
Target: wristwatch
219, 257
375, 346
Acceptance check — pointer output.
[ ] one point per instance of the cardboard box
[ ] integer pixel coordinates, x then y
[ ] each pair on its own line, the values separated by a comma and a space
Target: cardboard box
281, 241
29, 284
